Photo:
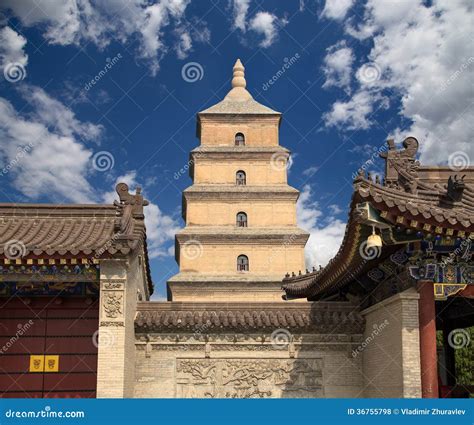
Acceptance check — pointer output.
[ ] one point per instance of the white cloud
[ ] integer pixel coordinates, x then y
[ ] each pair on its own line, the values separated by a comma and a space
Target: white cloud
338, 66
11, 48
354, 114
78, 22
184, 45
325, 239
40, 162
160, 228
58, 117
311, 171
240, 13
266, 24
425, 59
336, 9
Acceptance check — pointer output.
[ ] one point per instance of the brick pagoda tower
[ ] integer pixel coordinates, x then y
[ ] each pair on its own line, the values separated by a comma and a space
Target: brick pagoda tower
241, 235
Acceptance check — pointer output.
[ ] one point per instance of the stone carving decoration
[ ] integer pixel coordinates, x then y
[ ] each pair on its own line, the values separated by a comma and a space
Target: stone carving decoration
113, 284
112, 304
249, 378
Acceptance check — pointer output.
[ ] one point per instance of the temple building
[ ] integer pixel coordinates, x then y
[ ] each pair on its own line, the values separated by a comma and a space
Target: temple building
70, 280
406, 261
76, 319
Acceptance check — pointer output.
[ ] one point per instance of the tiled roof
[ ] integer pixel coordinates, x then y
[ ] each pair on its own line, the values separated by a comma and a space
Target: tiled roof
229, 106
188, 317
72, 229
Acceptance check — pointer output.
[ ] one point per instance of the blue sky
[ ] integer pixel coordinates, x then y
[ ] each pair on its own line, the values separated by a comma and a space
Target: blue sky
356, 74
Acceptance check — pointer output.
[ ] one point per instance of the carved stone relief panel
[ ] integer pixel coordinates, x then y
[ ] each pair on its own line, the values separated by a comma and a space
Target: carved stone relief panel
249, 378
113, 304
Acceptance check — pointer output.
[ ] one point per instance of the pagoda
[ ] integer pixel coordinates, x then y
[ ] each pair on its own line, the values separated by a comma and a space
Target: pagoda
241, 234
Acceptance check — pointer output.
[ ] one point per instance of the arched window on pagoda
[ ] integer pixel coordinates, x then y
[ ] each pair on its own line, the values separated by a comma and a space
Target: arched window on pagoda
240, 178
239, 139
241, 219
242, 263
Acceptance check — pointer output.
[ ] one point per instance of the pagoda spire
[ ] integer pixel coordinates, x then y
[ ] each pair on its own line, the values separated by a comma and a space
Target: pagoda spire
238, 91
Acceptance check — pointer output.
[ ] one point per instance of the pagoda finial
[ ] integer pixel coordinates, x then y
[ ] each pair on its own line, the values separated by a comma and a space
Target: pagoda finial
239, 75
238, 92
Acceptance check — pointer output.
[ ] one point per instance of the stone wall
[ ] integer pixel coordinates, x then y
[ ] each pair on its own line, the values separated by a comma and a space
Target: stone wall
121, 283
246, 365
390, 349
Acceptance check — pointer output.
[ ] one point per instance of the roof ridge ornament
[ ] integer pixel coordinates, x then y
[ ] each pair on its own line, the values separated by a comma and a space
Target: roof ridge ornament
137, 202
401, 166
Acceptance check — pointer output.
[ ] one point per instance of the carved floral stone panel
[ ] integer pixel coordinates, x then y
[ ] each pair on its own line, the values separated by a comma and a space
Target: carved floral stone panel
112, 304
249, 378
